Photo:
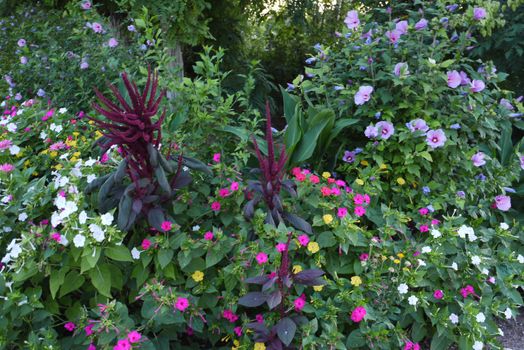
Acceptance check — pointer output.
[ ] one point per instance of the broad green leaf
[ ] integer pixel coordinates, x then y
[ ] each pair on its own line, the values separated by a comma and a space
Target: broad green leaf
101, 279
118, 253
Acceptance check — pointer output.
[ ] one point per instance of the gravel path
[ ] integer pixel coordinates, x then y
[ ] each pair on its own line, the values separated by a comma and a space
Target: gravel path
513, 338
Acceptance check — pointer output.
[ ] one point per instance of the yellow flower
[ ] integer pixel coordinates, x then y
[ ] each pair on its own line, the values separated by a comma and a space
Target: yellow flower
54, 154
84, 138
91, 122
405, 269
197, 276
71, 143
401, 181
383, 166
76, 133
328, 219
76, 154
318, 288
364, 162
400, 255
73, 159
383, 257
27, 163
313, 247
98, 134
359, 182
58, 166
326, 175
396, 261
259, 346
356, 281
236, 345
297, 269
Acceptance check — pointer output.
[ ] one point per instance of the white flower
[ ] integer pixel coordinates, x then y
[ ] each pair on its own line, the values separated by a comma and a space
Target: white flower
196, 228
465, 230
454, 266
7, 229
472, 237
7, 199
22, 217
43, 135
478, 345
63, 240
413, 300
508, 313
14, 150
426, 249
90, 162
16, 249
436, 233
135, 253
480, 317
91, 178
82, 218
185, 168
11, 127
79, 240
520, 258
402, 288
64, 180
62, 110
55, 219
501, 333
485, 271
98, 232
60, 202
107, 219
421, 262
76, 172
504, 226
475, 260
454, 318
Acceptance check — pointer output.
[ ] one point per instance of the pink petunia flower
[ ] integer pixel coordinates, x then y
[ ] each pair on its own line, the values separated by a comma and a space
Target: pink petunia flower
342, 212
438, 294
70, 326
215, 206
181, 303
261, 258
216, 157
303, 240
208, 236
134, 337
300, 302
364, 257
166, 226
314, 179
281, 247
358, 314
234, 186
424, 228
146, 243
360, 211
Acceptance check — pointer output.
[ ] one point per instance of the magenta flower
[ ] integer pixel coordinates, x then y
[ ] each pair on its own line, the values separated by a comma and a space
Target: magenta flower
146, 243
70, 326
21, 42
454, 79
386, 129
281, 247
259, 318
393, 36
300, 302
89, 329
477, 86
166, 226
216, 157
208, 236
97, 27
360, 211
479, 13
358, 314
438, 294
5, 144
234, 186
503, 202
364, 257
352, 20
134, 337
86, 5
423, 211
402, 27
181, 303
478, 159
238, 331
261, 258
223, 192
303, 240
342, 212
422, 24
122, 344
417, 125
436, 138
401, 69
371, 132
6, 168
363, 95
424, 228
112, 43
215, 206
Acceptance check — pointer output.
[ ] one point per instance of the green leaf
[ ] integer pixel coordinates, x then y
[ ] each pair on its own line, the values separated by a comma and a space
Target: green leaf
165, 256
307, 145
213, 257
57, 279
101, 279
74, 282
440, 342
290, 103
355, 339
118, 253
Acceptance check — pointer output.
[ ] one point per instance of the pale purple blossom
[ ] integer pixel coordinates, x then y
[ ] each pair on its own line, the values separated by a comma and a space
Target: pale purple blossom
478, 159
479, 13
23, 60
477, 86
131, 28
436, 138
402, 27
454, 79
401, 69
97, 27
363, 95
503, 202
422, 24
112, 42
393, 36
21, 42
84, 65
349, 156
386, 129
371, 132
352, 20
417, 125
522, 162
86, 5
464, 79
506, 104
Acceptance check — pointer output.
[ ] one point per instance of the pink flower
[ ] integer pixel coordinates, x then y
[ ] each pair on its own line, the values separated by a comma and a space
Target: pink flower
238, 331
86, 5
386, 129
300, 302
181, 303
402, 27
358, 199
352, 20
229, 315
166, 226
91, 347
122, 344
411, 346
479, 13
89, 329
208, 236
503, 202
438, 294
326, 191
6, 168
104, 158
223, 192
281, 247
216, 157
358, 314
300, 177
340, 183
364, 257
478, 159
146, 243
363, 95
5, 144
56, 237
314, 179
261, 258
134, 337
423, 211
477, 85
335, 191
454, 79
234, 186
57, 146
436, 138
367, 199
259, 318
70, 326
393, 36
342, 212
491, 279
360, 211
215, 206
424, 228
303, 240
112, 43
467, 291
97, 27
435, 222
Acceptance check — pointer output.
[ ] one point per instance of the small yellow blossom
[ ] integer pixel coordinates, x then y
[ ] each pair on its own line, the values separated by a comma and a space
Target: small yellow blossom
73, 159
318, 288
383, 257
364, 162
98, 134
313, 247
401, 181
71, 143
84, 138
326, 175
400, 255
356, 281
359, 182
76, 133
383, 166
197, 276
76, 154
54, 154
259, 346
236, 345
396, 261
297, 269
58, 167
91, 122
27, 163
328, 219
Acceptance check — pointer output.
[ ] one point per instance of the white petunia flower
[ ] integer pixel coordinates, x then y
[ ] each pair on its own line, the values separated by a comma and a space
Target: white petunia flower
478, 345
91, 178
454, 318
196, 228
62, 110
107, 219
135, 253
79, 240
90, 162
472, 237
14, 150
454, 266
402, 288
480, 317
60, 202
98, 232
413, 300
465, 230
520, 259
82, 218
421, 262
76, 172
508, 313
63, 240
475, 260
485, 271
426, 249
504, 226
22, 217
55, 219
43, 135
11, 127
436, 233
